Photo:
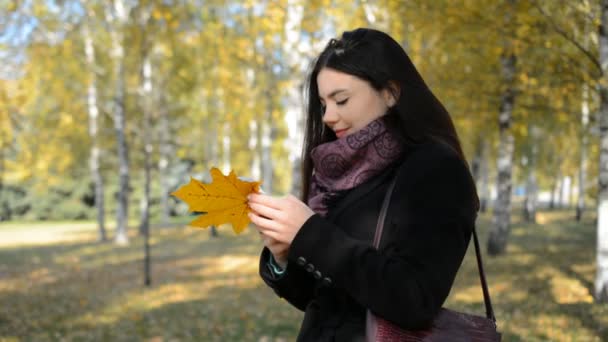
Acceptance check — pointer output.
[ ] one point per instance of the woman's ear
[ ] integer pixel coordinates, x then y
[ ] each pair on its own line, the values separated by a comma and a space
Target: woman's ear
391, 93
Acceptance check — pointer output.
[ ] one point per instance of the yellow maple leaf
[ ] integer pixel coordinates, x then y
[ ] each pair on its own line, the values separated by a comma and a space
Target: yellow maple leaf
224, 200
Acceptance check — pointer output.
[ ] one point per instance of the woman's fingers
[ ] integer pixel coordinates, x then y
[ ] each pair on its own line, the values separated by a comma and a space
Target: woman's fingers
265, 211
269, 201
264, 224
269, 240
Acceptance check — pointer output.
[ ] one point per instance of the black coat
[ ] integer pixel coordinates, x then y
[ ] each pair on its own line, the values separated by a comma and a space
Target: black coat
334, 273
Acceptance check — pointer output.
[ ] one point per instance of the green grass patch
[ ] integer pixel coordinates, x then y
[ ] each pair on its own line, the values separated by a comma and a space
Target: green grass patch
58, 283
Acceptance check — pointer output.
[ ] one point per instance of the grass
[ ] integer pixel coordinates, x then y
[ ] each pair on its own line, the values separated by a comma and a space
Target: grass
58, 284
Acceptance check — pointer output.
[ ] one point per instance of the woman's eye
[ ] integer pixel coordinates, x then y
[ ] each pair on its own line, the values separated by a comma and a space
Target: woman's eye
343, 102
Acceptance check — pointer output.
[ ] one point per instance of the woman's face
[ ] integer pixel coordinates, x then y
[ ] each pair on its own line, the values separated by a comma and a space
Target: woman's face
350, 103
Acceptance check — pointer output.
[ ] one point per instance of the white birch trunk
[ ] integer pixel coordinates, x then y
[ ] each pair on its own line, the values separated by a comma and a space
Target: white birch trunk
372, 11
531, 200
484, 186
146, 97
294, 117
582, 170
531, 197
601, 280
499, 233
226, 165
479, 171
146, 105
476, 162
163, 162
209, 133
566, 191
119, 17
253, 146
93, 111
5, 214
265, 146
560, 191
556, 191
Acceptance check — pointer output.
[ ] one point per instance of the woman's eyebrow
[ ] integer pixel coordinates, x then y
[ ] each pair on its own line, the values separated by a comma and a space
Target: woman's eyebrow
334, 93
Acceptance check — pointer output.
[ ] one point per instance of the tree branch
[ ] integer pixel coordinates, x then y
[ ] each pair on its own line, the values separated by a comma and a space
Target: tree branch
566, 36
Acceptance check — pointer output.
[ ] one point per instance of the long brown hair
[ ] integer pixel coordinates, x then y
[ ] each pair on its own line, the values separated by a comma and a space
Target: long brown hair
375, 57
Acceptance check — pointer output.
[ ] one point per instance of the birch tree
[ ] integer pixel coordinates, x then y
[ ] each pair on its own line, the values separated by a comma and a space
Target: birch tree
501, 222
118, 14
294, 107
146, 96
93, 112
601, 280
584, 138
530, 201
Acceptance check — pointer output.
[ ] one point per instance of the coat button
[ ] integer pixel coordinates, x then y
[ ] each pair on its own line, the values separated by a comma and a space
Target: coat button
317, 275
301, 261
309, 268
326, 281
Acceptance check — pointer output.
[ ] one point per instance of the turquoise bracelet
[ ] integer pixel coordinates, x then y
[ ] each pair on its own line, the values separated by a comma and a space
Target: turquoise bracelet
276, 269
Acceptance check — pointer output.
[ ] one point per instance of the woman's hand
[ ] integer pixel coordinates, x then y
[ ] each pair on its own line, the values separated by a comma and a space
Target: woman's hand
278, 220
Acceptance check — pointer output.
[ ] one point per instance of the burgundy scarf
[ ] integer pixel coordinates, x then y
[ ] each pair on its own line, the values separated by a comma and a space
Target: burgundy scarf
344, 163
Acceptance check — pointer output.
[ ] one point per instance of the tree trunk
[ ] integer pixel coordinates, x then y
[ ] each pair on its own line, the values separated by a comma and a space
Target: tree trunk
582, 170
146, 96
476, 169
163, 163
567, 195
253, 146
265, 149
476, 162
601, 280
211, 137
226, 163
294, 117
531, 200
4, 213
559, 203
562, 194
484, 186
94, 158
122, 211
555, 191
500, 229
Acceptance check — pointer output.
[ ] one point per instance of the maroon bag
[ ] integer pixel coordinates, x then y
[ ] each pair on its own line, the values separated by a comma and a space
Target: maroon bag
448, 325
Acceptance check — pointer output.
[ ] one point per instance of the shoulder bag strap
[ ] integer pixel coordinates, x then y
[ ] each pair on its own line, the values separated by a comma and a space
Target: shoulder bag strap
482, 276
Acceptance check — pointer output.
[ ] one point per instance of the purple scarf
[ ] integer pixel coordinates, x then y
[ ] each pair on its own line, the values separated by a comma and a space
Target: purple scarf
344, 163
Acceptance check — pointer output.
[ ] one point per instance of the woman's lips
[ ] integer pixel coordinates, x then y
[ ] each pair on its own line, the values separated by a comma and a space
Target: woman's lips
340, 133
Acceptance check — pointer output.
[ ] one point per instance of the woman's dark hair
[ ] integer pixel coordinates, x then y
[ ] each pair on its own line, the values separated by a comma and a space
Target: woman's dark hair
375, 57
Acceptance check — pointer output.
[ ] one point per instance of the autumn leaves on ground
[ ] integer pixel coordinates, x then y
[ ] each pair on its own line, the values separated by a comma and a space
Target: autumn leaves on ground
57, 283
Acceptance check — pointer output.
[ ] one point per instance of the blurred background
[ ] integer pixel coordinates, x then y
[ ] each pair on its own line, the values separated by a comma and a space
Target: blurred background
106, 107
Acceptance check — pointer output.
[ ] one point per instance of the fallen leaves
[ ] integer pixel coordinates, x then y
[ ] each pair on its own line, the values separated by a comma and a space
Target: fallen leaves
224, 200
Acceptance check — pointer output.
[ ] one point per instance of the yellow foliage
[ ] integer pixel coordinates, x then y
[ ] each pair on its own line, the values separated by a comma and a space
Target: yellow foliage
224, 200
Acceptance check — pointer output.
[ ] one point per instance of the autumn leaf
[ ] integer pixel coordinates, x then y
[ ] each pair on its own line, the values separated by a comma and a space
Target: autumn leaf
224, 200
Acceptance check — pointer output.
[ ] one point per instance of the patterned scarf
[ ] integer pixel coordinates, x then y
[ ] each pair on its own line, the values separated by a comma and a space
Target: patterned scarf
344, 163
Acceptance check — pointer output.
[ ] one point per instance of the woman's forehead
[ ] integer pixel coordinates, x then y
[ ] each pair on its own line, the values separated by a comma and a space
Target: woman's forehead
332, 82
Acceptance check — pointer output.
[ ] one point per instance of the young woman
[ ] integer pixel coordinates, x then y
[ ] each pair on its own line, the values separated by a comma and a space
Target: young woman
371, 119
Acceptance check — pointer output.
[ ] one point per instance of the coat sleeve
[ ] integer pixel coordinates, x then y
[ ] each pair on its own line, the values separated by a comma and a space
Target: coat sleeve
295, 285
431, 216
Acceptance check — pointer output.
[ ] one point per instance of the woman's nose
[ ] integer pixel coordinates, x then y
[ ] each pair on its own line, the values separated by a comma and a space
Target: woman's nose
330, 115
